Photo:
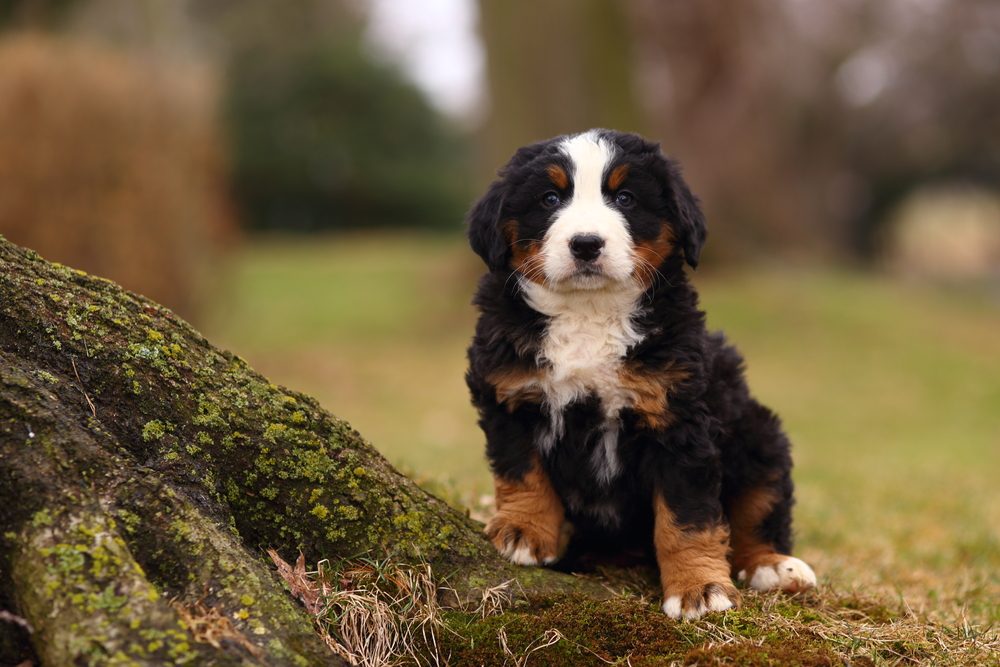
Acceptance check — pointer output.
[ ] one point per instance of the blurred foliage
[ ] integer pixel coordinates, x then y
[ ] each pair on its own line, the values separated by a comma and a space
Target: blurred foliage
321, 133
34, 13
326, 137
112, 165
802, 124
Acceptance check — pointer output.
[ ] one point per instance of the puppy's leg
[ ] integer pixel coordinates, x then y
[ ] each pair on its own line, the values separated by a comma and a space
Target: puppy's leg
758, 497
693, 566
760, 522
528, 526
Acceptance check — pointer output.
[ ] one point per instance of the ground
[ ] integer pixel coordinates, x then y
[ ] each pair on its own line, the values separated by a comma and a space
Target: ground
890, 392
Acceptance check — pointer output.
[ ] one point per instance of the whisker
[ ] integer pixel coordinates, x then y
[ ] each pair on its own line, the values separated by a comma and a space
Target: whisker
650, 276
531, 268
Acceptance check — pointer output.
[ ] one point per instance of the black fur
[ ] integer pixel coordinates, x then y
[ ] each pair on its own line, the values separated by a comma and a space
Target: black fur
720, 442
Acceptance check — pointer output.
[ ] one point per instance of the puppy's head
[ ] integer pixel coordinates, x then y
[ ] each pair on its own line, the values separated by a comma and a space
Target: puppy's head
587, 211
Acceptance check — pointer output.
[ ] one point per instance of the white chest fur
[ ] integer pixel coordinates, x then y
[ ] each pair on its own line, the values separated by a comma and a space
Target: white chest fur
582, 352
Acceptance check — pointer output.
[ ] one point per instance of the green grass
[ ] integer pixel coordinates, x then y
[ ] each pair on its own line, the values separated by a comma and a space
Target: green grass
890, 392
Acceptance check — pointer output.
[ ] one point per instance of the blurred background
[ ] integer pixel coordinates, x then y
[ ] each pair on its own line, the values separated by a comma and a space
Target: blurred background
292, 179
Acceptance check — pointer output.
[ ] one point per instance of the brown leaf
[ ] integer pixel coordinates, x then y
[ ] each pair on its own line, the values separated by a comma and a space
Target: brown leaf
298, 581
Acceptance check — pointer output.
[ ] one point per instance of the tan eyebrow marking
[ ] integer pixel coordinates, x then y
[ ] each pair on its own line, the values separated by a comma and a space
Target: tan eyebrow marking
617, 176
558, 176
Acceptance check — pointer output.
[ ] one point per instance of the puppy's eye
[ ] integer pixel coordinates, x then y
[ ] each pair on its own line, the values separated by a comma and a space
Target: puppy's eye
625, 199
551, 199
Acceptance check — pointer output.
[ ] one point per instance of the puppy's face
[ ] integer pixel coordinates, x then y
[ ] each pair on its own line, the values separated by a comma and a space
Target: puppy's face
586, 212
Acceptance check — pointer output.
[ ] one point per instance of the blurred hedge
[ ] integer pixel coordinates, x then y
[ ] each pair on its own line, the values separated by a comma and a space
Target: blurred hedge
326, 137
111, 165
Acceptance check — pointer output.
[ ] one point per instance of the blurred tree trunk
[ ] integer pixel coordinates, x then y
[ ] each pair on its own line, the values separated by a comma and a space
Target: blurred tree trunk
563, 67
710, 92
143, 472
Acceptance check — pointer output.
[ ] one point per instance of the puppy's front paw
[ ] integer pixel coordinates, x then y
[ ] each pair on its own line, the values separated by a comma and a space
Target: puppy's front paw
779, 572
523, 541
699, 600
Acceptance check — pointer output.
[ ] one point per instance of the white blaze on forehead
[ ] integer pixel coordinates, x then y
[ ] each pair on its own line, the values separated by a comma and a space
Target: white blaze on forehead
587, 212
590, 156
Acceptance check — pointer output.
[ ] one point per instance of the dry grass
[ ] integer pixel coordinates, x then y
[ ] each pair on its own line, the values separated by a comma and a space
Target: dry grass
371, 613
496, 599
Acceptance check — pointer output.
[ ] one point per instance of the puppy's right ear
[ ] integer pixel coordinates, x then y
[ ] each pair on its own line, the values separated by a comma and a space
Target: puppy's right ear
485, 235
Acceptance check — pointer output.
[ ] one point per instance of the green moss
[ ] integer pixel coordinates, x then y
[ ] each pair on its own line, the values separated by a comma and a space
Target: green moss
41, 518
320, 511
153, 430
47, 377
348, 512
275, 432
130, 520
85, 574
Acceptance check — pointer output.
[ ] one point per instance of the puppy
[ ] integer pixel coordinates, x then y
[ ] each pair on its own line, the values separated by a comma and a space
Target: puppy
607, 406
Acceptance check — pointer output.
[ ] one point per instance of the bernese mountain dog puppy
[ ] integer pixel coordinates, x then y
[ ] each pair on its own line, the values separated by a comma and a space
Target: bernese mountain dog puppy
611, 414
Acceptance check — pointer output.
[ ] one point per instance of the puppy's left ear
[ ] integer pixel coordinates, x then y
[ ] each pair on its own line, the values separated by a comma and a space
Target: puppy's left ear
485, 236
687, 217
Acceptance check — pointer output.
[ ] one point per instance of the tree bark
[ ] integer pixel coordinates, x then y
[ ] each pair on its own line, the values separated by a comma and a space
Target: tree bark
143, 471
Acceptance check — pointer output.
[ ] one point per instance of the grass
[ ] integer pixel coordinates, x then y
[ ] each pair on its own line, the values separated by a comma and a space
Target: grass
890, 392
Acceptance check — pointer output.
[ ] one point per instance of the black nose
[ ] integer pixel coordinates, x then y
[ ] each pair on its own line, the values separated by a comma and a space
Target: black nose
586, 246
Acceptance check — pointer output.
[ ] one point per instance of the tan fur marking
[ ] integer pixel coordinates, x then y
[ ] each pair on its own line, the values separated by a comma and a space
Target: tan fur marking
649, 255
524, 253
617, 176
529, 514
558, 176
650, 393
745, 515
515, 386
692, 563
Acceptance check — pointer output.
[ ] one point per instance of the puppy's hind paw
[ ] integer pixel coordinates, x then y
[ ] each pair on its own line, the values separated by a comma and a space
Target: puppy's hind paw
780, 572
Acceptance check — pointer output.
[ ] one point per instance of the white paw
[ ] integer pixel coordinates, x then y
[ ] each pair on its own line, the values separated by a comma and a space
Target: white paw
716, 601
790, 574
519, 554
672, 606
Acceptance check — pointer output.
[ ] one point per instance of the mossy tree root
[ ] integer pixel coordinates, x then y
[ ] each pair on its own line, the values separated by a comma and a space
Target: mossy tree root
143, 472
